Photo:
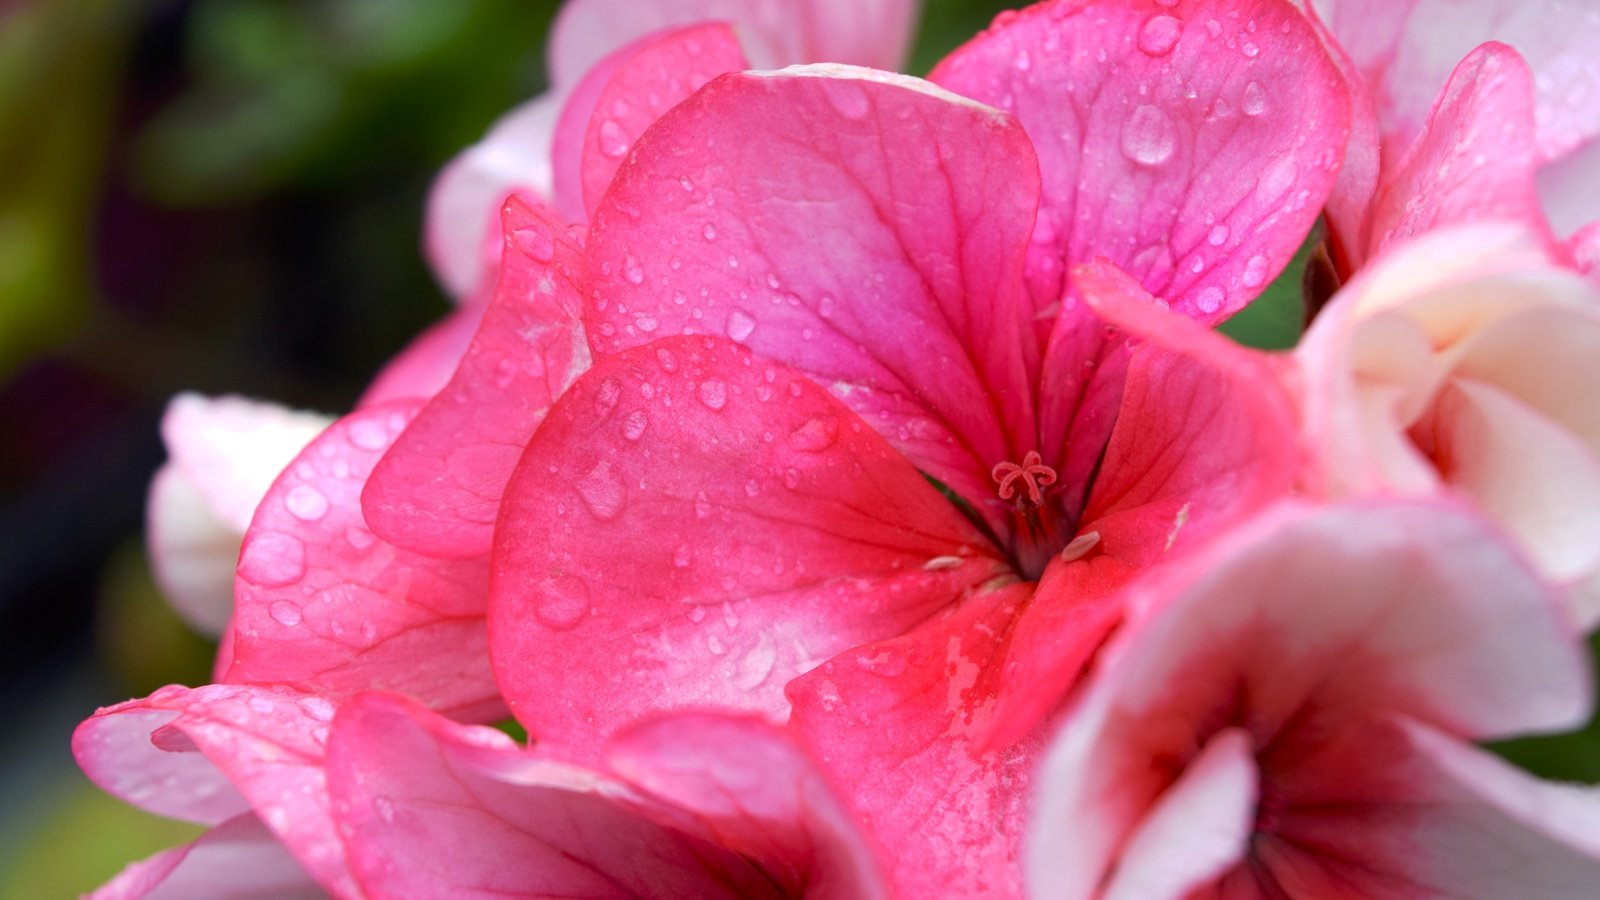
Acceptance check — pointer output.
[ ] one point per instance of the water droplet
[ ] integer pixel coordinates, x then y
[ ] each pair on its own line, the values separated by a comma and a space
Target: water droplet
1276, 179
702, 505
536, 242
710, 231
273, 559
368, 434
562, 602
1148, 137
646, 322
1255, 100
846, 96
681, 556
613, 140
1209, 299
1023, 61
1255, 271
317, 708
634, 425
686, 183
1250, 49
605, 399
751, 488
306, 503
713, 393
286, 613
791, 478
360, 538
758, 664
815, 435
1218, 236
632, 271
740, 324
1160, 35
603, 491
667, 360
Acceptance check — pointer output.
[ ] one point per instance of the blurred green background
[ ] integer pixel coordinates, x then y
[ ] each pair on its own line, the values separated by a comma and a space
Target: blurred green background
226, 196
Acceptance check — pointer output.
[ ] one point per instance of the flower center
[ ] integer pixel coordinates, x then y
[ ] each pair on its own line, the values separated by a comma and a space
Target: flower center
1033, 474
1038, 527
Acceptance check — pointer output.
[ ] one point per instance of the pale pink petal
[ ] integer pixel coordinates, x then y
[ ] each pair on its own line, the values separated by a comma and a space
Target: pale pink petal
237, 860
1569, 189
224, 452
1199, 828
1407, 48
1347, 212
866, 228
622, 96
461, 235
437, 491
1304, 628
1584, 248
693, 527
901, 726
326, 605
424, 367
1193, 147
430, 808
774, 32
1475, 158
213, 753
758, 794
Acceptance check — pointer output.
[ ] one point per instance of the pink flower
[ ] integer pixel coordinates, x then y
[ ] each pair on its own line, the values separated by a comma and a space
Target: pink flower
224, 454
1464, 362
524, 152
694, 805
1291, 714
1510, 133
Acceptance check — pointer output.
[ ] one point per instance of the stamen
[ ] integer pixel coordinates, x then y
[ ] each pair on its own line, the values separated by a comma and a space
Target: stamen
1034, 475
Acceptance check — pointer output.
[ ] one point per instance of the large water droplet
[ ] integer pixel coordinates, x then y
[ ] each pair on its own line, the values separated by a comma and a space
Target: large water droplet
634, 424
368, 434
702, 505
1148, 137
1255, 271
1209, 300
713, 393
562, 602
758, 664
1254, 102
815, 435
682, 556
273, 559
603, 492
1160, 35
605, 399
740, 324
306, 503
667, 360
613, 140
632, 271
1218, 236
286, 613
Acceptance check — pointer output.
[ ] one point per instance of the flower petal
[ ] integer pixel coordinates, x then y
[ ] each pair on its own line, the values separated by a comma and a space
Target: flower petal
430, 808
437, 491
691, 527
1192, 147
863, 227
239, 858
326, 605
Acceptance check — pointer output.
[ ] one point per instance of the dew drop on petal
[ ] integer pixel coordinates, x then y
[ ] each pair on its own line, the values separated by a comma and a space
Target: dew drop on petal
1218, 235
562, 602
713, 393
634, 424
681, 556
613, 140
603, 491
1159, 35
815, 435
273, 559
605, 399
1148, 137
1254, 102
536, 242
702, 505
740, 324
306, 503
286, 613
369, 435
1209, 299
632, 272
1255, 271
667, 360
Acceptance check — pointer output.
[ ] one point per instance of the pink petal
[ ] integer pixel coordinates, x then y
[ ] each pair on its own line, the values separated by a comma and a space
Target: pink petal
1303, 627
191, 754
1193, 147
775, 32
691, 527
438, 490
1199, 828
898, 725
236, 860
1584, 247
864, 227
1569, 189
326, 605
225, 452
424, 367
1349, 206
622, 96
461, 236
434, 809
1475, 158
760, 796
1408, 47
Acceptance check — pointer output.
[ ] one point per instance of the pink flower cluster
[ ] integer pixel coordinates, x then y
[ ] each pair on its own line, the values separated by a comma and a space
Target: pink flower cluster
837, 476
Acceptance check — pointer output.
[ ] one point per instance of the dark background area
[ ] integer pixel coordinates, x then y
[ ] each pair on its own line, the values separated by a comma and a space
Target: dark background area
226, 197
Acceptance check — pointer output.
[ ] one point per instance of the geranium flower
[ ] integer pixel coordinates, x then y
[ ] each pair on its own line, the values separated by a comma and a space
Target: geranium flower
1291, 714
1465, 361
